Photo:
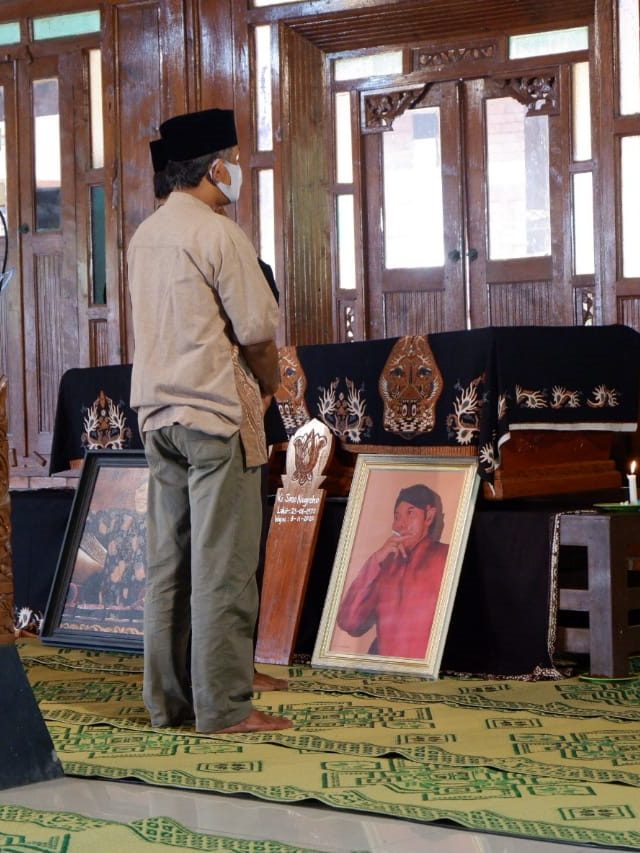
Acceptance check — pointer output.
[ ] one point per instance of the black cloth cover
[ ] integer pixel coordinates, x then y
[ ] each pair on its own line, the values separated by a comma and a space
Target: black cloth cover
463, 390
35, 557
93, 412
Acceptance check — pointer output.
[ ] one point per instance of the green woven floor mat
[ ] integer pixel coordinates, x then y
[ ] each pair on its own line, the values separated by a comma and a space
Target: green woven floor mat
571, 697
479, 798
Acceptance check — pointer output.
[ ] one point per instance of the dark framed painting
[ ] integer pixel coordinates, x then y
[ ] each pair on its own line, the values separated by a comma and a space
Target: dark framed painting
397, 564
97, 595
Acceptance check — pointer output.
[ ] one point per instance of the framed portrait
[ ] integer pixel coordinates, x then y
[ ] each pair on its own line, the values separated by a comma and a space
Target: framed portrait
397, 564
97, 595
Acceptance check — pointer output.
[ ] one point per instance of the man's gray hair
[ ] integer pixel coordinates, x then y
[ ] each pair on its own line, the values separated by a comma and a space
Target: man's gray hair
184, 174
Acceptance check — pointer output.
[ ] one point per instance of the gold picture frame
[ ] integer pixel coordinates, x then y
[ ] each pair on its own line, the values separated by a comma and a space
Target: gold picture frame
397, 564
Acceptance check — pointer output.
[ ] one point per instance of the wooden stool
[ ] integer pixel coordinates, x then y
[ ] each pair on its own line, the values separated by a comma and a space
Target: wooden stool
611, 597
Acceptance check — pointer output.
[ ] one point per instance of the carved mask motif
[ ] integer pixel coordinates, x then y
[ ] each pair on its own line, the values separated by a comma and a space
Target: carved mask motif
410, 386
290, 395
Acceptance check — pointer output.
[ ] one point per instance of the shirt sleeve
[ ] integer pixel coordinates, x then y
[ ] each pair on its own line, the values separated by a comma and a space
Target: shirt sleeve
243, 290
357, 612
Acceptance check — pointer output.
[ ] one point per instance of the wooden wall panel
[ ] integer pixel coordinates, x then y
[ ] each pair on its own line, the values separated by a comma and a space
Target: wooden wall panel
136, 115
222, 65
404, 21
629, 312
99, 342
4, 336
417, 313
521, 304
306, 215
49, 322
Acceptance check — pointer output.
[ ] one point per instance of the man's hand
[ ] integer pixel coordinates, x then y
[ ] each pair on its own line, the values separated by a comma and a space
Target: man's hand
262, 358
393, 545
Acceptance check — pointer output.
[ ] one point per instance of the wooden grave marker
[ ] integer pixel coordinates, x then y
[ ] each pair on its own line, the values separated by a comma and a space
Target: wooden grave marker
291, 541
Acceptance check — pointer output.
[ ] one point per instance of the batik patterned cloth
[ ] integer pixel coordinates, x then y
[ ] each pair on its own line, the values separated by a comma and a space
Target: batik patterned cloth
462, 392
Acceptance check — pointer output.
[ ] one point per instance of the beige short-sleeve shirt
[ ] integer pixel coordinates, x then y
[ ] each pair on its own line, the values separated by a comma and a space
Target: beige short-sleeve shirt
197, 293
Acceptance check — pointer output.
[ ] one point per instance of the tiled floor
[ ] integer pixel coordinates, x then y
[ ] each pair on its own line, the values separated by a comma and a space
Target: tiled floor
305, 826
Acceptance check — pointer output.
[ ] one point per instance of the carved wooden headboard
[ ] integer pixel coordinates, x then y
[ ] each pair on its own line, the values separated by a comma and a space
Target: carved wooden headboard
6, 577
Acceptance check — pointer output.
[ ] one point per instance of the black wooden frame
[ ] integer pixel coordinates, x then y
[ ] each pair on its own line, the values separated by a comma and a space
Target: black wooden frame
92, 625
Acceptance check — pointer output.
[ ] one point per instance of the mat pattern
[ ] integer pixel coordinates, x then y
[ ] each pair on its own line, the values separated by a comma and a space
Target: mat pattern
550, 760
23, 829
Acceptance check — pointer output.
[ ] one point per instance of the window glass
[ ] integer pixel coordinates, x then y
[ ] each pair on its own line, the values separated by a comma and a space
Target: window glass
264, 119
630, 181
581, 111
10, 33
346, 243
583, 251
98, 250
629, 53
412, 207
344, 154
58, 26
266, 217
95, 104
46, 121
554, 41
372, 65
517, 181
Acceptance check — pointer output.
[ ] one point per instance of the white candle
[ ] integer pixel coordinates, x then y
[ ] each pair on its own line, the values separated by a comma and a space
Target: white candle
633, 484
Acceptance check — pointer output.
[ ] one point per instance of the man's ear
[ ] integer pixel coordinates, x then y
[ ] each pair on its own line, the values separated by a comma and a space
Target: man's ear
219, 173
430, 514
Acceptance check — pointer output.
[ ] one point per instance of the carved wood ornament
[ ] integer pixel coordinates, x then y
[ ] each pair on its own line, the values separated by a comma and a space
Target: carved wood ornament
380, 109
447, 57
291, 542
538, 92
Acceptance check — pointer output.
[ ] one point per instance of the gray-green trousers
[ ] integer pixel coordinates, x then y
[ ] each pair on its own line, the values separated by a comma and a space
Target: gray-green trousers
203, 533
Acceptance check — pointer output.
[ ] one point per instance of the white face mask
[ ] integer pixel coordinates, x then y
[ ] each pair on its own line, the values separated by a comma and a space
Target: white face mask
232, 190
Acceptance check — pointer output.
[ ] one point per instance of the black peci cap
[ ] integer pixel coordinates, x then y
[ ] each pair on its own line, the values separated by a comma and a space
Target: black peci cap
158, 156
192, 135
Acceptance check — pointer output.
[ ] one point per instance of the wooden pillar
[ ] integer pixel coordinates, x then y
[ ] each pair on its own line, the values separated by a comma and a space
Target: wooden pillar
6, 577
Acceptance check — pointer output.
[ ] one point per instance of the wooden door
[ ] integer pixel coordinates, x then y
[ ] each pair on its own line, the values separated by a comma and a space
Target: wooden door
415, 206
55, 302
11, 311
47, 240
470, 178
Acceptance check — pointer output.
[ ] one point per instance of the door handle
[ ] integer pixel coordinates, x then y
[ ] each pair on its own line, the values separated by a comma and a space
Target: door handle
23, 228
454, 255
472, 254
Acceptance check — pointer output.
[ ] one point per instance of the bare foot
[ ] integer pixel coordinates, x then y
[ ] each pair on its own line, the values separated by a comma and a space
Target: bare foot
257, 721
263, 682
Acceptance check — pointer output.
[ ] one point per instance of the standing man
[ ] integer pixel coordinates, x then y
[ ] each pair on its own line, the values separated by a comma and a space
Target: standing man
204, 369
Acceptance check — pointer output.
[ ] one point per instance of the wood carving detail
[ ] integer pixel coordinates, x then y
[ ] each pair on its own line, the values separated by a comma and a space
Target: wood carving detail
6, 577
380, 109
452, 56
308, 454
539, 93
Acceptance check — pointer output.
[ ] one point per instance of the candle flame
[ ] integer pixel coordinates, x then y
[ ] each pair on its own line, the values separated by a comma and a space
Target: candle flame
632, 470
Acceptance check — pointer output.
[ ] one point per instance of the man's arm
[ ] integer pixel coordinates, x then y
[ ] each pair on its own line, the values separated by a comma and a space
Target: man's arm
262, 358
